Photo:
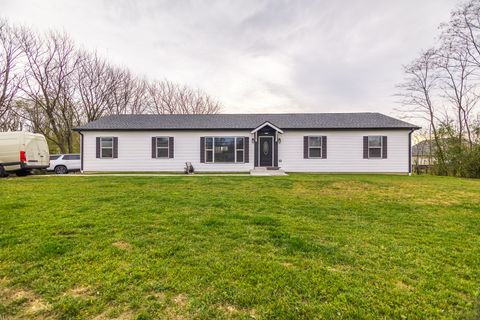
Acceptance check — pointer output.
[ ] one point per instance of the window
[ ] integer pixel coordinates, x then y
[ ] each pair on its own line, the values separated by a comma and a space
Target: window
55, 157
224, 149
315, 147
162, 147
374, 146
106, 147
71, 157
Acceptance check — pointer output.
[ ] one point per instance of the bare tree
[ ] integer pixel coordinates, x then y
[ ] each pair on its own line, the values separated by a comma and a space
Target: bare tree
463, 30
161, 97
127, 95
94, 85
165, 97
48, 85
459, 68
418, 91
10, 78
51, 63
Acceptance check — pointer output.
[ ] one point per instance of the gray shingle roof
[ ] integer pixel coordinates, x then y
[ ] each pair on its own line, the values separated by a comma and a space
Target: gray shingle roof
247, 121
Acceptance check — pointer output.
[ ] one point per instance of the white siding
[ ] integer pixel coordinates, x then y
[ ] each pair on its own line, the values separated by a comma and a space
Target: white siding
344, 152
135, 152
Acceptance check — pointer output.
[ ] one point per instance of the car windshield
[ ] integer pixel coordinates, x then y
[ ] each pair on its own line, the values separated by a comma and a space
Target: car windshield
54, 157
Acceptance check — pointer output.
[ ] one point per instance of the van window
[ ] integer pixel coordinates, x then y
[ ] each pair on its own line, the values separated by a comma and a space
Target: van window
55, 157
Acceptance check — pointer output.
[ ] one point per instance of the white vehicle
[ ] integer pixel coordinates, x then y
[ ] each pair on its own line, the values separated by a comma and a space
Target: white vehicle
64, 163
20, 152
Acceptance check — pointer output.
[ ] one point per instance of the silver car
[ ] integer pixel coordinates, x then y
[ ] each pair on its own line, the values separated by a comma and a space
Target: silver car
64, 163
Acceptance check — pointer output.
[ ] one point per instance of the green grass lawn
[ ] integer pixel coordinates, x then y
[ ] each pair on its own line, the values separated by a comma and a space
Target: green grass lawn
302, 246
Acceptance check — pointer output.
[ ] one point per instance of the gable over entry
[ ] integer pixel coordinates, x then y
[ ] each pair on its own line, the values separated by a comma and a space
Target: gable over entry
266, 138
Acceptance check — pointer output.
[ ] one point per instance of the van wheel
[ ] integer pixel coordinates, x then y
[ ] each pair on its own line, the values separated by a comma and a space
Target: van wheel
22, 173
61, 170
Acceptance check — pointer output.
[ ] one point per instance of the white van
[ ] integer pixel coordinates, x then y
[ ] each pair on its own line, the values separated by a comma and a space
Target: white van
20, 152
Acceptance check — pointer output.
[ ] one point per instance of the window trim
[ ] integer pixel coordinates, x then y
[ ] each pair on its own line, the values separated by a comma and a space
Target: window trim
234, 146
102, 147
242, 149
380, 147
167, 147
212, 149
314, 147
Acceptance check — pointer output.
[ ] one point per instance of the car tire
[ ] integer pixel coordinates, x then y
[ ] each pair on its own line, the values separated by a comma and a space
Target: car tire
61, 170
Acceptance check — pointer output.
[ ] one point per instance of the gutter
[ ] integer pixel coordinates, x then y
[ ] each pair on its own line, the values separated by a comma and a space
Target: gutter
81, 150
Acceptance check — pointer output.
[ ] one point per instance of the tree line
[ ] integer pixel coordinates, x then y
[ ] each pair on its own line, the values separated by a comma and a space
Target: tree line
50, 85
442, 87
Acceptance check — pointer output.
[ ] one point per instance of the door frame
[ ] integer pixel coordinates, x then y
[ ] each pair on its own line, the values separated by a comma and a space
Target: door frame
259, 148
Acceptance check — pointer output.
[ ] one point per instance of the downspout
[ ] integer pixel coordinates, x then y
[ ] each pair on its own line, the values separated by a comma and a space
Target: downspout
410, 152
81, 151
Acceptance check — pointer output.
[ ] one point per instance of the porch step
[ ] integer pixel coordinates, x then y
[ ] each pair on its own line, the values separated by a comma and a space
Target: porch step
261, 171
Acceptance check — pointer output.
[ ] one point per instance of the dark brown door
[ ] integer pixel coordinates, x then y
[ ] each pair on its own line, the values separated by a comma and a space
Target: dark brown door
266, 151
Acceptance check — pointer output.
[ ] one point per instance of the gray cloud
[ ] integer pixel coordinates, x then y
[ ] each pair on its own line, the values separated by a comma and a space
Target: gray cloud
255, 56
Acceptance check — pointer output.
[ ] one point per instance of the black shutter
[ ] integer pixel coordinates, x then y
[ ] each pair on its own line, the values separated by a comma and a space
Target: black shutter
202, 149
170, 147
154, 147
115, 147
98, 147
324, 147
305, 147
246, 145
384, 147
365, 147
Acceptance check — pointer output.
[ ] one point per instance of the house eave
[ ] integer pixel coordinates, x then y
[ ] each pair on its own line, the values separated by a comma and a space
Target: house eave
265, 124
236, 129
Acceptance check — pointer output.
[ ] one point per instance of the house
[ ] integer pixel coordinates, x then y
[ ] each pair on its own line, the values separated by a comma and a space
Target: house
422, 156
295, 142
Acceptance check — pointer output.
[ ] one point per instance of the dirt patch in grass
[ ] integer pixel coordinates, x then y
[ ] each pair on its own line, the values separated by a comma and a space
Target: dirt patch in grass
159, 296
402, 286
338, 268
122, 245
30, 303
342, 189
229, 309
181, 300
80, 292
110, 314
177, 309
438, 200
232, 311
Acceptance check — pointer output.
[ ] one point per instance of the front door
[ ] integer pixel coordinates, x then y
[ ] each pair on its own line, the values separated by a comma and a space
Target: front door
265, 151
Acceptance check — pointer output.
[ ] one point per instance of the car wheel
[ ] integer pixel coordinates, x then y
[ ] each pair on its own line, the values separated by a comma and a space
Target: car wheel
61, 170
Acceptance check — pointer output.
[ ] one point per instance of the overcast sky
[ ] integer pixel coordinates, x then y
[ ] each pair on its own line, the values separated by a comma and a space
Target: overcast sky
255, 56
